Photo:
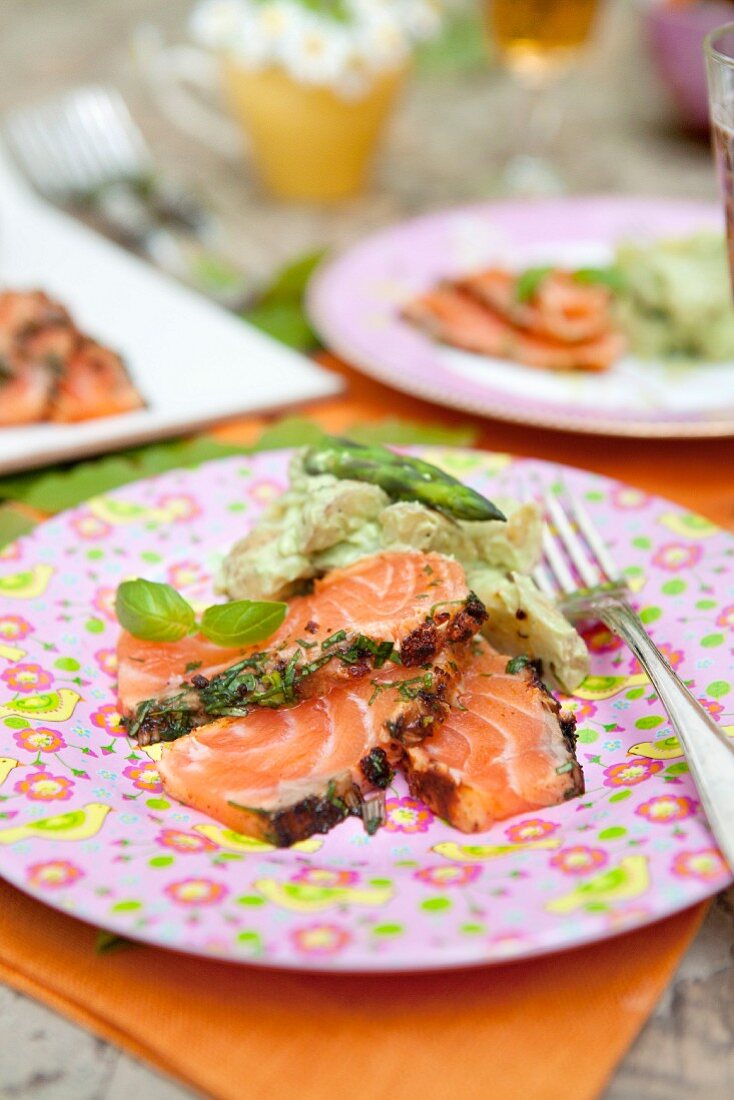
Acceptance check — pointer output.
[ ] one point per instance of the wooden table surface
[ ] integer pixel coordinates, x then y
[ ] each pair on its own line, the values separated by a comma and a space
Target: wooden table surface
445, 146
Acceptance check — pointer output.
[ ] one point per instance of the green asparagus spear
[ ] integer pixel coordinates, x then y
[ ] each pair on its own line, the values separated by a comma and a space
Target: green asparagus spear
401, 477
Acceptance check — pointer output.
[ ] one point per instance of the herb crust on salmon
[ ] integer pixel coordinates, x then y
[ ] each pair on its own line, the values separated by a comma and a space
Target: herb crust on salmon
402, 607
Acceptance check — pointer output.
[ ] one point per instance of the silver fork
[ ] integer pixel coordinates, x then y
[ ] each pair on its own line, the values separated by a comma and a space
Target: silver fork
85, 150
571, 541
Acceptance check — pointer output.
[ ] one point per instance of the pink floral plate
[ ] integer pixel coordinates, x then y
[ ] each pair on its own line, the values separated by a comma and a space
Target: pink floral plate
86, 827
355, 303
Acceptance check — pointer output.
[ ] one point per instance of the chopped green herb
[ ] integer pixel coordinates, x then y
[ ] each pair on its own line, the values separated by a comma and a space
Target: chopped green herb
333, 639
517, 664
376, 769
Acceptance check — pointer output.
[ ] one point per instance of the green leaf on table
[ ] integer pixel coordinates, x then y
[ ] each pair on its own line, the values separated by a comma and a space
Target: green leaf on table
279, 309
243, 622
59, 487
56, 488
13, 524
407, 432
289, 284
291, 431
152, 611
284, 321
107, 942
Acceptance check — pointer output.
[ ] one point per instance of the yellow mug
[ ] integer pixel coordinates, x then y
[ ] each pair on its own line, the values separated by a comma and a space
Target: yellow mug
306, 142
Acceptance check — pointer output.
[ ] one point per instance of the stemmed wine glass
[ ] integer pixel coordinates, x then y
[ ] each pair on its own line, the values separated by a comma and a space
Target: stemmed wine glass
538, 42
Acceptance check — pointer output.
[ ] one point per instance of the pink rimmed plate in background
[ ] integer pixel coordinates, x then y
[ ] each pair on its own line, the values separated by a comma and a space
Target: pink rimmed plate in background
355, 304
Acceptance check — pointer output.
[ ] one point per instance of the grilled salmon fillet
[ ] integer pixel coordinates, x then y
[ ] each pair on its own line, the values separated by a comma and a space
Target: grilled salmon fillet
25, 391
49, 370
506, 748
93, 383
455, 317
281, 775
561, 307
401, 604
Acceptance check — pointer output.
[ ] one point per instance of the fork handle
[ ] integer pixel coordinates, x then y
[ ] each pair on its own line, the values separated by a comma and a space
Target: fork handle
709, 752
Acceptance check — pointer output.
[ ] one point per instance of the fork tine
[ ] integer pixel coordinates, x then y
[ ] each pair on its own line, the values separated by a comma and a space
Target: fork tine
595, 541
557, 562
542, 578
79, 142
572, 543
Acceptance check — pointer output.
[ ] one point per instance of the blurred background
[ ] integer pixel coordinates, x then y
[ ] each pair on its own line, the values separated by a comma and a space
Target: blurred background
627, 115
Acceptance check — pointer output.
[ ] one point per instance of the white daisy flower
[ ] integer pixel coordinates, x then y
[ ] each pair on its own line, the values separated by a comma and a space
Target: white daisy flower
344, 54
421, 18
318, 50
382, 41
215, 23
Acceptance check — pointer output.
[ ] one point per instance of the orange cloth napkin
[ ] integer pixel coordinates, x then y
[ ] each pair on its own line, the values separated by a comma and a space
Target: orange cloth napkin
548, 1029
545, 1029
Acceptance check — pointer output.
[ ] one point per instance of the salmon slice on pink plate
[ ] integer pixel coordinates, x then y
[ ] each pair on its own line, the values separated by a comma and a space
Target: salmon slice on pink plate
506, 749
560, 307
281, 775
455, 317
148, 670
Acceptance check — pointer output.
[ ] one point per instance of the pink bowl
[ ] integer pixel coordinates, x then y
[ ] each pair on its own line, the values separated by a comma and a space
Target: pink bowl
676, 37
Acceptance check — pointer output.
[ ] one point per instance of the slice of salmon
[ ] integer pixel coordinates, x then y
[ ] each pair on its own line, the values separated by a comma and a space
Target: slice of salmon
285, 774
506, 748
35, 333
51, 370
413, 601
148, 670
561, 307
93, 383
455, 317
23, 313
395, 605
25, 391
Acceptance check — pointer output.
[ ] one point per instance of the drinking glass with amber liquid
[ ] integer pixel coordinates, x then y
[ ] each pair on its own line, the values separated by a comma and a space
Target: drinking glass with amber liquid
538, 41
719, 53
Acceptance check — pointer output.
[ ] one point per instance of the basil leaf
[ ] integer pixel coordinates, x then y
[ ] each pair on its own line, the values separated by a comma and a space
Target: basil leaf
528, 283
610, 277
153, 612
243, 622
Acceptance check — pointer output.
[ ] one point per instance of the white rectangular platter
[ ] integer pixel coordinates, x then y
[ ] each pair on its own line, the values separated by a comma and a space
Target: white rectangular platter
195, 364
